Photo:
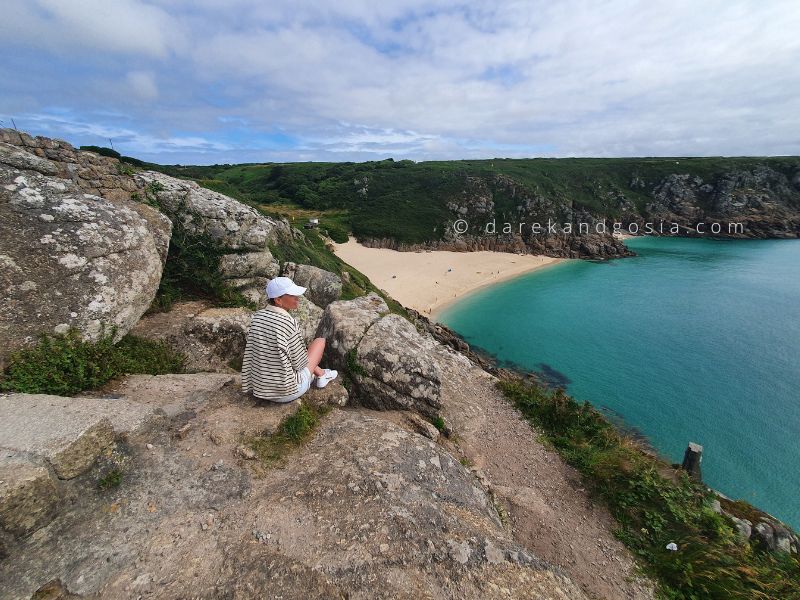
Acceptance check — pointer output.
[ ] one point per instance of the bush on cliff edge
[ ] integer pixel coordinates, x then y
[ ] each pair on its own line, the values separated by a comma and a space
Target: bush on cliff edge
656, 504
64, 365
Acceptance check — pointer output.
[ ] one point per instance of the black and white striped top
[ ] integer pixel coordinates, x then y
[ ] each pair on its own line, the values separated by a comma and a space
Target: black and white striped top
274, 355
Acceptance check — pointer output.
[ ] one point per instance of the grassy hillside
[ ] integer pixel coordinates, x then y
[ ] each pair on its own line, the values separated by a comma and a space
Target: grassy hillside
407, 201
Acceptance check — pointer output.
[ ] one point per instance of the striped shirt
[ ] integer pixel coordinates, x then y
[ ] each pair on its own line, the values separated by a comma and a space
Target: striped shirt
274, 356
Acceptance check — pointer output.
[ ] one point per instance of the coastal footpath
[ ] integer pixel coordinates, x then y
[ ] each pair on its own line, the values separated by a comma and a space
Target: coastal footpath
414, 476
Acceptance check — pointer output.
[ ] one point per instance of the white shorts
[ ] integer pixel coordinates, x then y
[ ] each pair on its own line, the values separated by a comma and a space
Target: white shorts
305, 383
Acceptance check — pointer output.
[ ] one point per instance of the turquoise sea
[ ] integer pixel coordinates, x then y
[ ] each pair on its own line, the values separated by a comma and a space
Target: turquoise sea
692, 340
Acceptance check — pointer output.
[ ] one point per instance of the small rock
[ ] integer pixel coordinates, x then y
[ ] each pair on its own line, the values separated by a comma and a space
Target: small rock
245, 452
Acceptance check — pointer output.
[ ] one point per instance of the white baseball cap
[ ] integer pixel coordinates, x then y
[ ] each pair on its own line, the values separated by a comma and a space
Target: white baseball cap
283, 285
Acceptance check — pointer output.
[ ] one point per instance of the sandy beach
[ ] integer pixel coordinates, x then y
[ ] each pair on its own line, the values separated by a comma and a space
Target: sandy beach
429, 281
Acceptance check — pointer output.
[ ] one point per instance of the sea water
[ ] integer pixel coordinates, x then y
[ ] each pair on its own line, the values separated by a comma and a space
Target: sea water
692, 340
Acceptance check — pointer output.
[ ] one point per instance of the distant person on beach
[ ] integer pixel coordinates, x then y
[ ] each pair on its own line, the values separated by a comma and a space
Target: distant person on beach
277, 366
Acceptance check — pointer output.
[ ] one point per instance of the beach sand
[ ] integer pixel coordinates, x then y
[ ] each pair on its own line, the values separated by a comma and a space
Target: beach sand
421, 280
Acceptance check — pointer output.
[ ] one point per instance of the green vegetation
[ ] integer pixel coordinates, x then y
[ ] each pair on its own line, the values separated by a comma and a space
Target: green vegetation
293, 431
312, 250
192, 267
353, 366
407, 201
655, 504
111, 479
439, 422
66, 364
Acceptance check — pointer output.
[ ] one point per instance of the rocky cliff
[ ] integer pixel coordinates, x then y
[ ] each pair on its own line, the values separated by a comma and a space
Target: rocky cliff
378, 504
448, 204
157, 486
760, 202
83, 239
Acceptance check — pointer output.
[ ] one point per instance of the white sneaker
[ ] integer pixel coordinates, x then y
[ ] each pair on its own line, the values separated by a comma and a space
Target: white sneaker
323, 380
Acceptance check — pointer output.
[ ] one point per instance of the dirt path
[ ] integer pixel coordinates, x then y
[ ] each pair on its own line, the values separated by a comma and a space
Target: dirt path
550, 512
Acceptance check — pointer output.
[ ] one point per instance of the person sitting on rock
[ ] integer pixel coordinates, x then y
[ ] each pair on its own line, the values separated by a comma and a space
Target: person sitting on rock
277, 366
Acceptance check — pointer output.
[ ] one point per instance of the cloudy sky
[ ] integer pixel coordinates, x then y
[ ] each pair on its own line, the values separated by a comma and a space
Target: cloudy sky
207, 81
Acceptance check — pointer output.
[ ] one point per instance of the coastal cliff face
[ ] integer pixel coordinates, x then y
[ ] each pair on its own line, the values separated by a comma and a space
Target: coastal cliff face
447, 204
764, 201
499, 215
745, 203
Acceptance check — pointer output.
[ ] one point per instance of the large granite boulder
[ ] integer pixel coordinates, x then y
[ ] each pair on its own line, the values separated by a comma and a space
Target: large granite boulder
211, 339
344, 323
391, 364
308, 316
776, 537
70, 259
397, 368
249, 264
249, 273
229, 223
323, 286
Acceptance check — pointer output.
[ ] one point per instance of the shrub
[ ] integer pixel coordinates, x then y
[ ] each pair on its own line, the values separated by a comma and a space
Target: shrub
66, 364
192, 268
102, 151
655, 504
293, 431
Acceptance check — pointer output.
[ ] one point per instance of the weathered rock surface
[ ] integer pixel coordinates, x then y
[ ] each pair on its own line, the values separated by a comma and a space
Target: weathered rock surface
43, 426
229, 223
249, 273
386, 357
323, 286
776, 537
69, 259
92, 173
399, 372
212, 339
249, 264
45, 440
172, 395
344, 324
308, 316
364, 510
28, 494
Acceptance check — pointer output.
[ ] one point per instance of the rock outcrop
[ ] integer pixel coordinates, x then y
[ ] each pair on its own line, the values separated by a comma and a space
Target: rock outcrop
323, 286
69, 258
365, 509
237, 230
249, 273
763, 200
387, 358
230, 224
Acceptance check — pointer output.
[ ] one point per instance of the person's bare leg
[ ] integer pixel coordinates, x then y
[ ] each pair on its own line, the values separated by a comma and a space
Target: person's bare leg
315, 350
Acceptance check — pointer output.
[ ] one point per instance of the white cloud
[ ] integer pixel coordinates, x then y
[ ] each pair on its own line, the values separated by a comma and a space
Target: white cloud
119, 26
143, 85
423, 79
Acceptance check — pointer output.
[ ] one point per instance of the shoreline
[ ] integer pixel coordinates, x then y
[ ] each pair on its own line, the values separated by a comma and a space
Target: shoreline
441, 307
429, 281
